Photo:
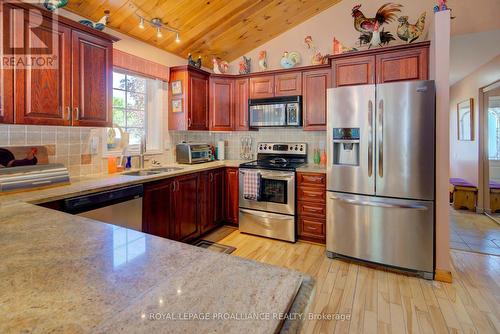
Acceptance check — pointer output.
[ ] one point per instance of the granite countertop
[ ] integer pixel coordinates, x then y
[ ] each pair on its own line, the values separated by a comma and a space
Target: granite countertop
312, 168
65, 273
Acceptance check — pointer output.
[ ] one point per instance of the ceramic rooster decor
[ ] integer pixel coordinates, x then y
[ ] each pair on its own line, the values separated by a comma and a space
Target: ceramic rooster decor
198, 62
220, 66
263, 60
411, 32
316, 57
371, 28
290, 59
191, 62
100, 25
339, 48
245, 65
52, 5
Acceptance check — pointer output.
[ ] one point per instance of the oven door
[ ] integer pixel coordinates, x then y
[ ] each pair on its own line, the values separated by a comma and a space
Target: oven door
277, 192
263, 115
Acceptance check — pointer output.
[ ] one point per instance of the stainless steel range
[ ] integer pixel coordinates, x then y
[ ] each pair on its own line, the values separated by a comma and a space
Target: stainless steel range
271, 213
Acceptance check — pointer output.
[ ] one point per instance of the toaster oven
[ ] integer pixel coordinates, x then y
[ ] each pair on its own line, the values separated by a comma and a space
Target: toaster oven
192, 153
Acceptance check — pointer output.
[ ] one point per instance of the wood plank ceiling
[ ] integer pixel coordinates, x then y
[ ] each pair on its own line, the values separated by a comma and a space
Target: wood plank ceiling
224, 28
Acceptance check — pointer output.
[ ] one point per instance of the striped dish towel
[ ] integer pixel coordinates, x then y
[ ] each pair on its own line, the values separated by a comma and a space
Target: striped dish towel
251, 185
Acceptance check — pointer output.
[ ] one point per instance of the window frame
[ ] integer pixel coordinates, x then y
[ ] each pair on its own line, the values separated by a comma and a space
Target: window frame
134, 149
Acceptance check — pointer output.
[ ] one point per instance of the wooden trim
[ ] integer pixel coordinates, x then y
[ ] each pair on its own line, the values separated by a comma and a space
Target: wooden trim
61, 19
443, 276
381, 50
140, 65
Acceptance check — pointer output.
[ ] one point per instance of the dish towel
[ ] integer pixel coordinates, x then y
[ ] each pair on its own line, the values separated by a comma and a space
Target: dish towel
251, 185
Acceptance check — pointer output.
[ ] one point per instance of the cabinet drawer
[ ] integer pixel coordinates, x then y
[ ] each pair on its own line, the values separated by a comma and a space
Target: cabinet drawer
317, 180
309, 194
312, 227
312, 209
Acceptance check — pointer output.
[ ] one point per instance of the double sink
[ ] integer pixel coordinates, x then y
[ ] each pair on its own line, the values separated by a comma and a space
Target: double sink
152, 171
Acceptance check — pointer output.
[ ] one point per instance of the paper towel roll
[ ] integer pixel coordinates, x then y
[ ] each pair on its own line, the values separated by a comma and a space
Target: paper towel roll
221, 150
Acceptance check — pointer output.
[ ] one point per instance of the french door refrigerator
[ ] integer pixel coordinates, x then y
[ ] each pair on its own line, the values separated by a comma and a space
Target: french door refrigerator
381, 174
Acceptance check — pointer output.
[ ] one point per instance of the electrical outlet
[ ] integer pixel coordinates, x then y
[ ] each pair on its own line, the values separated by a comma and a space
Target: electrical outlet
94, 145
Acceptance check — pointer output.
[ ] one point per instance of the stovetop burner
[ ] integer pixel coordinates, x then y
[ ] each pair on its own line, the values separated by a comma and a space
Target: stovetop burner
279, 156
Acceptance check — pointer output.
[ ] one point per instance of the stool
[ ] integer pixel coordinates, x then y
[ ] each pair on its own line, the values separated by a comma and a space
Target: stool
465, 197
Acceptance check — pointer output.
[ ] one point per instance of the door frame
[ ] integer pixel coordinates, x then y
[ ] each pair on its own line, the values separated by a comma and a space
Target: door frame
484, 166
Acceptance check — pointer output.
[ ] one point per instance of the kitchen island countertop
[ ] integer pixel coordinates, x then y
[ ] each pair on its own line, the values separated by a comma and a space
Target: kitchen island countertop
67, 273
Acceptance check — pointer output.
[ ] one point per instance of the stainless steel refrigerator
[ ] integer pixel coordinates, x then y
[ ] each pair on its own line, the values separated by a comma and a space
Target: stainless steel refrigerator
381, 174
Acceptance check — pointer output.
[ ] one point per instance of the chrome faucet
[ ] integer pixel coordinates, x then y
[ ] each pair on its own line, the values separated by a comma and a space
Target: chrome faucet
142, 152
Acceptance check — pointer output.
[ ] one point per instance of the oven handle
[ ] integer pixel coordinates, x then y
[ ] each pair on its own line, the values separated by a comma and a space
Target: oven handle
265, 214
275, 176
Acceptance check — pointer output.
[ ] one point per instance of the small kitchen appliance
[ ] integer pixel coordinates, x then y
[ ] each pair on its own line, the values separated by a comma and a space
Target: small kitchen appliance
273, 214
283, 111
192, 153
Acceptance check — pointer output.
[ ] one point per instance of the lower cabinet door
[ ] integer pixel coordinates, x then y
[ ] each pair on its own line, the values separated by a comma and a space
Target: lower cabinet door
157, 209
231, 196
186, 207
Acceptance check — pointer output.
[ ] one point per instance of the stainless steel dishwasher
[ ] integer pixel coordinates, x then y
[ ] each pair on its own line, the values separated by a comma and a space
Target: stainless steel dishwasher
121, 206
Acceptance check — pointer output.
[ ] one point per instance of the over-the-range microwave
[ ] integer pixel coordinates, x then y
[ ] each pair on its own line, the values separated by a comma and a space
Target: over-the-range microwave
283, 111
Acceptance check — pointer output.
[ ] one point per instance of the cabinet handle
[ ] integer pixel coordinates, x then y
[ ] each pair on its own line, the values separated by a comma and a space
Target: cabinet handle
211, 177
189, 122
77, 113
68, 111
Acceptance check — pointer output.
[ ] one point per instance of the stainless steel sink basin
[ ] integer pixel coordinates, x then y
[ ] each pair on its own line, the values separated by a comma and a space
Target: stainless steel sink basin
141, 173
153, 171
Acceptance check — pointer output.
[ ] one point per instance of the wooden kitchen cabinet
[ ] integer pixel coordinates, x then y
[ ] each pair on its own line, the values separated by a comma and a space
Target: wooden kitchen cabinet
43, 94
221, 104
194, 99
403, 65
241, 94
157, 217
231, 196
262, 86
185, 207
311, 206
211, 199
75, 90
288, 84
92, 80
356, 70
314, 86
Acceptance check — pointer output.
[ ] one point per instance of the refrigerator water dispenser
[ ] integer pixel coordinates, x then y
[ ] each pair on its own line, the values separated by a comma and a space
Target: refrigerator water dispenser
346, 146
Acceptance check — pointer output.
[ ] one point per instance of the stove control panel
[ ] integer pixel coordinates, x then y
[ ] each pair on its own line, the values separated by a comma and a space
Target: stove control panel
282, 148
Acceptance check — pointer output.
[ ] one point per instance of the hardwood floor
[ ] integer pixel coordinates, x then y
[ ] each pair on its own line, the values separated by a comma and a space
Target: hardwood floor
380, 301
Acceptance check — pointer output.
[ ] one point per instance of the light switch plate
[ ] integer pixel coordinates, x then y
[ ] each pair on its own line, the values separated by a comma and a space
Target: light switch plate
94, 145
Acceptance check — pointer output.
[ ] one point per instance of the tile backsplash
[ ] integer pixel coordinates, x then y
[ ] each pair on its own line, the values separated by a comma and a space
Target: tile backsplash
314, 139
71, 145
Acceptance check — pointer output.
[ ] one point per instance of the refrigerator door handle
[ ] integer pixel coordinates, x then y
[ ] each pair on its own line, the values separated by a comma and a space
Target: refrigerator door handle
370, 138
381, 139
377, 204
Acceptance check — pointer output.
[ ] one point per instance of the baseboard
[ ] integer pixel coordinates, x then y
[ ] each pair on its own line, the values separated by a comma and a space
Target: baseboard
443, 276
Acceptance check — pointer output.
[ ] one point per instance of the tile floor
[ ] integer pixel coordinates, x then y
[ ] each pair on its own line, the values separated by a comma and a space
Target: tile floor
474, 232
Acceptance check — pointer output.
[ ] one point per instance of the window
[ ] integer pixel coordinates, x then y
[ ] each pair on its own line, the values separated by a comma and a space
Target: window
138, 104
494, 133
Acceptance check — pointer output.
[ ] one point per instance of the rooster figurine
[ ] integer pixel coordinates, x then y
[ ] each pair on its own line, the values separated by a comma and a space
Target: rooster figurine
198, 62
245, 65
220, 66
410, 32
316, 57
52, 5
366, 26
263, 60
290, 59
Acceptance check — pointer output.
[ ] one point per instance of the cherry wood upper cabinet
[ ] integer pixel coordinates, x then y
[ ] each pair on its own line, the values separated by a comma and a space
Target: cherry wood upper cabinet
194, 99
288, 84
43, 94
221, 104
314, 86
241, 94
353, 71
262, 86
403, 65
92, 80
231, 196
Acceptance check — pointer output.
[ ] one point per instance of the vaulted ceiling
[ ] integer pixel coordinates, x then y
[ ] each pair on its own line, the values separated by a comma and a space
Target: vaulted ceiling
222, 28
